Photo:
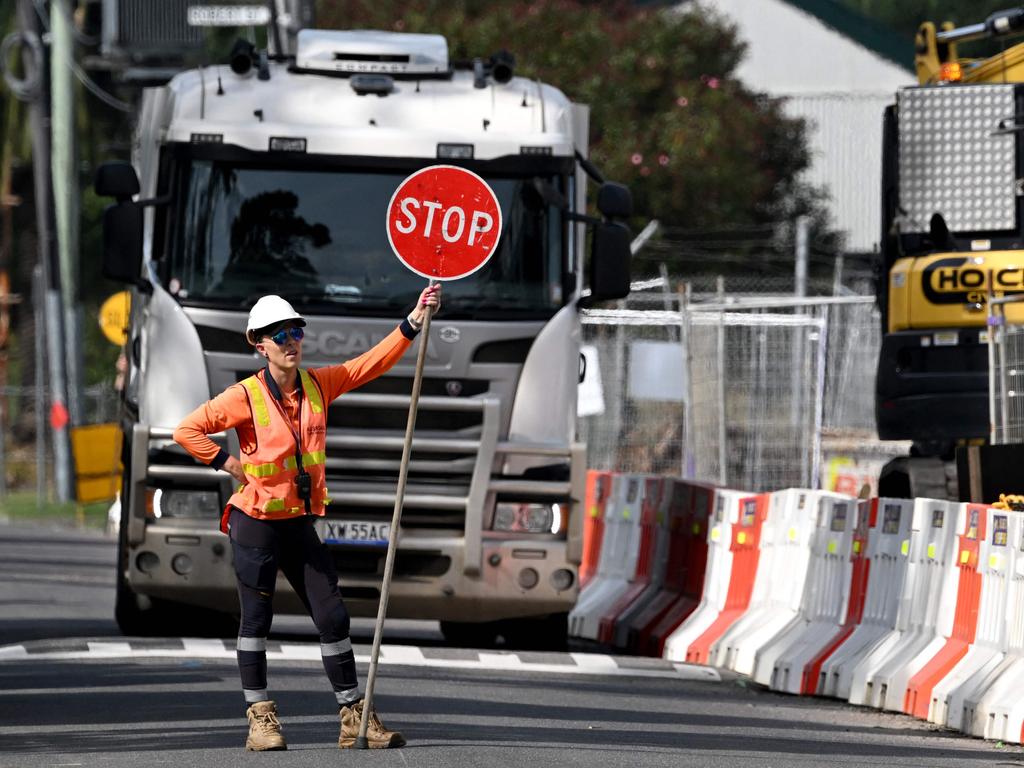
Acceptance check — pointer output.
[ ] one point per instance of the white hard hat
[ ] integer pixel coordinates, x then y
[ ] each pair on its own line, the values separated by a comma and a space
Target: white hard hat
268, 311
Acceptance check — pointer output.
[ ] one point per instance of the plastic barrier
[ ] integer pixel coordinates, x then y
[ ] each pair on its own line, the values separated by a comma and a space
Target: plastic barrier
989, 646
931, 608
996, 710
917, 700
780, 664
782, 568
599, 485
647, 547
746, 551
716, 576
620, 630
912, 595
617, 563
690, 514
888, 550
811, 680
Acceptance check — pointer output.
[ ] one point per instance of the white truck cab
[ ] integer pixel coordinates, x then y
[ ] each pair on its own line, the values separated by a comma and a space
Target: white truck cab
272, 174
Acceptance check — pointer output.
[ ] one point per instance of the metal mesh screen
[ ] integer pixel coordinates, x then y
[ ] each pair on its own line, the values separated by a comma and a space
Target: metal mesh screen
1006, 373
759, 385
636, 432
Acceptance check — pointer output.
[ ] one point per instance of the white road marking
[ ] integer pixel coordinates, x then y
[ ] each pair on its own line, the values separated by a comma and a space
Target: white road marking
391, 655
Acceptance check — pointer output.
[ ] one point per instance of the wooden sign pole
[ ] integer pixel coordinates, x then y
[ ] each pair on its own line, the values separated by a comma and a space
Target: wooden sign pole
389, 562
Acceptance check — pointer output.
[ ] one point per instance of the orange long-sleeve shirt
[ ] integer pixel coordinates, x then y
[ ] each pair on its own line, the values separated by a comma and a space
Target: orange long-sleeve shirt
230, 409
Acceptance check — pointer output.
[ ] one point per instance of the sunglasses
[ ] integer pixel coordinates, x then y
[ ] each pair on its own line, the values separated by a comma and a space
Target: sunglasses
281, 336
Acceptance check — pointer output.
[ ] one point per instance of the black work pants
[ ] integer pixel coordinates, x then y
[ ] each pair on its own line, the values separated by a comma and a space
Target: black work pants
260, 549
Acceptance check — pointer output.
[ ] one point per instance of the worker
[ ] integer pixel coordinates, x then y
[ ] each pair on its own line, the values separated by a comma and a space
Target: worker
280, 417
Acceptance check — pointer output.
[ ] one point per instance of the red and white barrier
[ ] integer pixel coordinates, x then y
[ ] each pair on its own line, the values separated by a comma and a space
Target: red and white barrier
823, 607
717, 576
917, 700
622, 621
931, 610
690, 510
745, 547
995, 709
652, 527
617, 563
599, 486
888, 549
914, 595
908, 605
782, 569
989, 646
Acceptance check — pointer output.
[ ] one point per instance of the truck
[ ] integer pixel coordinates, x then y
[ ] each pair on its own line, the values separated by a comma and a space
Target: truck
952, 191
272, 173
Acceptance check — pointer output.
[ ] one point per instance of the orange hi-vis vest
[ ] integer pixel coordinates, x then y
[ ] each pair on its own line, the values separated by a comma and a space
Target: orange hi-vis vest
270, 462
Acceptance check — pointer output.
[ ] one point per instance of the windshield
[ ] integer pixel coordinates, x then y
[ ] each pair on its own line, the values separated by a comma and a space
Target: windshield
318, 238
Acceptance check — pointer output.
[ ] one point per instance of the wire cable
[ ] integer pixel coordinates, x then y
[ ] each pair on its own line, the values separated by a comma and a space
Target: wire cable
90, 85
27, 88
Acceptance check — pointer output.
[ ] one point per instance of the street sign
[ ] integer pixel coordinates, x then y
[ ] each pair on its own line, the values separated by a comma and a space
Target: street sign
114, 317
444, 222
228, 15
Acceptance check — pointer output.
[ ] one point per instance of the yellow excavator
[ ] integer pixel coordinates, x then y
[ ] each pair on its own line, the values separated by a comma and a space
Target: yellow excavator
952, 235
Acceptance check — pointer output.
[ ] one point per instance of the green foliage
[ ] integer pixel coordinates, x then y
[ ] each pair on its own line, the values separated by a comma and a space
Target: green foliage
24, 508
669, 118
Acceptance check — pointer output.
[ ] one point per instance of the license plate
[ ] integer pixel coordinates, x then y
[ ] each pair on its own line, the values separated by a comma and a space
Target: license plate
353, 531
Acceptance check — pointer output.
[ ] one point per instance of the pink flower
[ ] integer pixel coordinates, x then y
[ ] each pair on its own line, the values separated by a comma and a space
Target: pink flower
713, 82
636, 159
682, 101
400, 24
663, 159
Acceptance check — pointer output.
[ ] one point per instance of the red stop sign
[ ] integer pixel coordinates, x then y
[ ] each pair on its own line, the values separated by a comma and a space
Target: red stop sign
444, 222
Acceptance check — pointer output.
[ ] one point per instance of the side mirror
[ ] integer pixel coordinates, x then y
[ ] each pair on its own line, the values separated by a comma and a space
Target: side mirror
117, 180
122, 242
614, 201
610, 258
122, 222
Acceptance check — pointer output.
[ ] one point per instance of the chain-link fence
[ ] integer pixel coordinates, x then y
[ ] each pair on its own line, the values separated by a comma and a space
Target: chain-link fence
759, 379
1006, 369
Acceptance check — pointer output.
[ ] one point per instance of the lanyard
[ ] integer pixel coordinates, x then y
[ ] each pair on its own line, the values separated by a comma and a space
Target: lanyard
296, 435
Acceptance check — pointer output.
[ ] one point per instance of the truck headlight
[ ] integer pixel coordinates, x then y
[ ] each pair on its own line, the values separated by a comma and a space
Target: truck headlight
176, 503
527, 518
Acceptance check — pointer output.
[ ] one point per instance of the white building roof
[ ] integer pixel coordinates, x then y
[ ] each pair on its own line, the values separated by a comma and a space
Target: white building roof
823, 65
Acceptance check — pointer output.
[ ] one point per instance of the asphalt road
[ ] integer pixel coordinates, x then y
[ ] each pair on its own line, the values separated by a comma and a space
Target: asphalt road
68, 702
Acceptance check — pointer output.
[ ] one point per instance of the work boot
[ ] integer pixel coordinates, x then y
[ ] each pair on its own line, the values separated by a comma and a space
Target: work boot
264, 728
377, 736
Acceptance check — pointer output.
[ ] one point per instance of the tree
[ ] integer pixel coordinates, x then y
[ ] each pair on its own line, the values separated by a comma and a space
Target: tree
698, 148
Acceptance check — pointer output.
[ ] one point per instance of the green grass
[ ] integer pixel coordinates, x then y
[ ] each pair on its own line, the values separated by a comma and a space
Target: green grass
21, 507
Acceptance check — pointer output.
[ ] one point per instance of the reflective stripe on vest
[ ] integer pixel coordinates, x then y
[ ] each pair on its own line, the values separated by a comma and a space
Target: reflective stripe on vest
261, 470
309, 389
277, 505
259, 405
308, 460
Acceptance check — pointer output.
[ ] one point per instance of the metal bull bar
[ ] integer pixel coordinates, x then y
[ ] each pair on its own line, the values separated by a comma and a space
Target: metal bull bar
484, 451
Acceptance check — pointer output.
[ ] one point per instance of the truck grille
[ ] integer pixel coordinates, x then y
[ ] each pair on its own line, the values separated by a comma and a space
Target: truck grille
364, 455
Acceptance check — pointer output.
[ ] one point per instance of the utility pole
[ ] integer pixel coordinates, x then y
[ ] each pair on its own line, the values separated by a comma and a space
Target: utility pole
65, 193
39, 124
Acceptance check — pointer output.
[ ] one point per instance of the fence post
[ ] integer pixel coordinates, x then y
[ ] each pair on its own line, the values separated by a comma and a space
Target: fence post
689, 463
720, 361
